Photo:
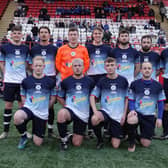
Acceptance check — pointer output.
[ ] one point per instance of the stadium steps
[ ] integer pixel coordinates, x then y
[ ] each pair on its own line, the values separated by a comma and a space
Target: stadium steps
164, 24
6, 18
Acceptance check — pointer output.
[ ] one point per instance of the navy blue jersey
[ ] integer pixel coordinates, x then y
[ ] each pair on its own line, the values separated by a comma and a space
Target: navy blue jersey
97, 55
164, 62
126, 60
151, 57
76, 93
37, 93
48, 53
112, 93
15, 57
146, 94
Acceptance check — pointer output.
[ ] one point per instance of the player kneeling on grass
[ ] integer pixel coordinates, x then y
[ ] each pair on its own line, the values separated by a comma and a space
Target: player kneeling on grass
144, 95
37, 95
76, 91
112, 89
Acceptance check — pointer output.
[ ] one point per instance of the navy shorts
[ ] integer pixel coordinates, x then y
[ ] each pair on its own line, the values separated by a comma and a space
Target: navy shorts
11, 92
79, 126
147, 125
38, 124
115, 130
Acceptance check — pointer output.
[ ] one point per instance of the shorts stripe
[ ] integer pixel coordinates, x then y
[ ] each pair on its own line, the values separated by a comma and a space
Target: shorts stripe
7, 115
6, 123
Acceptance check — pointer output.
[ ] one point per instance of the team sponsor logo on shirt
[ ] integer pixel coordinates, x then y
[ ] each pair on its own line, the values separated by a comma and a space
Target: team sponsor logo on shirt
146, 104
123, 68
97, 62
16, 64
37, 100
47, 62
78, 100
111, 100
73, 53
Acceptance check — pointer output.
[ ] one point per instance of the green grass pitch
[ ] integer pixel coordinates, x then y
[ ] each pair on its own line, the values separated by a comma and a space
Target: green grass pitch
86, 156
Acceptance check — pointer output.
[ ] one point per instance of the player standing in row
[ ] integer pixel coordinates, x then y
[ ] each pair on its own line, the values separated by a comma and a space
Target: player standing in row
164, 63
144, 95
98, 52
127, 58
146, 55
70, 51
112, 89
38, 93
75, 90
48, 52
13, 57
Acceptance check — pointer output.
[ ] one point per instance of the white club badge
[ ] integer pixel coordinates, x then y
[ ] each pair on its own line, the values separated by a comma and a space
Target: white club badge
124, 56
113, 87
97, 51
17, 52
147, 92
78, 87
43, 53
146, 59
38, 87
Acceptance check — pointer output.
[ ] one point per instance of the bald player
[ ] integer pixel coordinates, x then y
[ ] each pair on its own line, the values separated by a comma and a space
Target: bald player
144, 95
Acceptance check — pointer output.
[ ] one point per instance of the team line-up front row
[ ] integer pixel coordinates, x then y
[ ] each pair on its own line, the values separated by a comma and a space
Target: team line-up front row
144, 94
107, 81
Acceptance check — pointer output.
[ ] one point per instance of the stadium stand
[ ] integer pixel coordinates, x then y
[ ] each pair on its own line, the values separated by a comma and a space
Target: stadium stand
34, 8
112, 9
3, 5
113, 26
59, 22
